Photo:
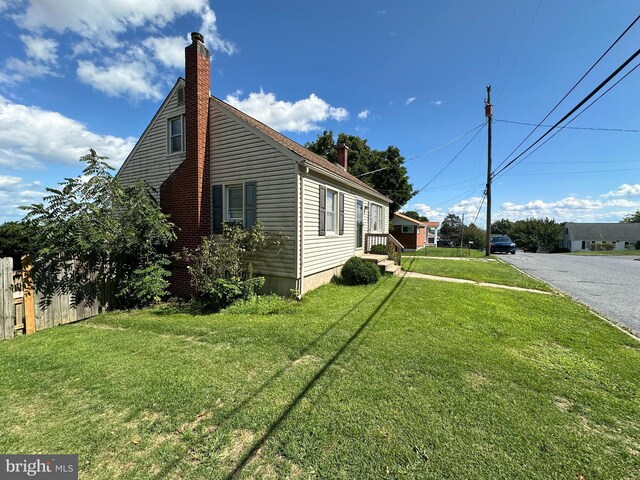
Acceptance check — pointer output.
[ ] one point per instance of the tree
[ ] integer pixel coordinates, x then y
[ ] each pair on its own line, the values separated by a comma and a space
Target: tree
415, 215
532, 233
474, 234
502, 226
100, 240
390, 175
451, 229
15, 241
632, 218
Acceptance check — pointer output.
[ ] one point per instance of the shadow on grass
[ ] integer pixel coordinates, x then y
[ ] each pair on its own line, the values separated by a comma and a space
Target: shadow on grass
246, 458
280, 372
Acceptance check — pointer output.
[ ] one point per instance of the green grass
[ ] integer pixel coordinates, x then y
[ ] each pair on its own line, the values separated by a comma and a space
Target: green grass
446, 252
479, 271
404, 379
610, 252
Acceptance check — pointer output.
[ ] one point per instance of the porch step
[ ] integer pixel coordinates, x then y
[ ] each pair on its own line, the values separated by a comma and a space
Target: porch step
386, 266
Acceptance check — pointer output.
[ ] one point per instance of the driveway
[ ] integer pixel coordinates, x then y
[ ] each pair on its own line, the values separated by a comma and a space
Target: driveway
607, 284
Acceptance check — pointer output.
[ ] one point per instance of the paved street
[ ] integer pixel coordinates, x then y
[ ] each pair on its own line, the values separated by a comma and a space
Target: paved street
609, 285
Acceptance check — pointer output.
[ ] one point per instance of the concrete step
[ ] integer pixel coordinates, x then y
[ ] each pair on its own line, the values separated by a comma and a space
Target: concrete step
395, 270
372, 257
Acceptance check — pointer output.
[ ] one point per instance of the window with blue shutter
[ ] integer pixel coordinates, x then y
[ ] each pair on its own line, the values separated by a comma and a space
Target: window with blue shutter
322, 211
216, 209
250, 204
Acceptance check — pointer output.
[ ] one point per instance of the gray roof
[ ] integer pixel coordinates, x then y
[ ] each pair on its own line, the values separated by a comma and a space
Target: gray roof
628, 232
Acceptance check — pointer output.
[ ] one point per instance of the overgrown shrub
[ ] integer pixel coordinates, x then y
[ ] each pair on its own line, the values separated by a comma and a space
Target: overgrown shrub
379, 249
560, 250
100, 240
638, 245
359, 272
222, 268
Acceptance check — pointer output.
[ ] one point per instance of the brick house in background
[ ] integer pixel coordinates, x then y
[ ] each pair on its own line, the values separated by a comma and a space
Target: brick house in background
414, 234
211, 164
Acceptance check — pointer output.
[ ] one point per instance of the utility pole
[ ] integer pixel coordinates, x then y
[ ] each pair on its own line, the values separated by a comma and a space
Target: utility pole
488, 112
462, 233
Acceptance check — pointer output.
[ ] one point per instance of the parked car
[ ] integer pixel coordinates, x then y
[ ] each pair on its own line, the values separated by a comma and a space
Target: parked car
502, 244
445, 243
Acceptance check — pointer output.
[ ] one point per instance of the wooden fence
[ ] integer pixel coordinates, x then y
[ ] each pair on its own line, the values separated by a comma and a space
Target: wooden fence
21, 309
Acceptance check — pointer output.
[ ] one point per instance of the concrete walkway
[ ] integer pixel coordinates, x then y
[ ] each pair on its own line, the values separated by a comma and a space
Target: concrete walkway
452, 258
471, 282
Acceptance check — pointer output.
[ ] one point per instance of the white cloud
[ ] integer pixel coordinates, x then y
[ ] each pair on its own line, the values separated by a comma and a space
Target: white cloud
40, 49
363, 114
16, 70
381, 12
121, 79
300, 116
7, 182
168, 50
30, 136
436, 102
625, 190
410, 100
433, 214
13, 193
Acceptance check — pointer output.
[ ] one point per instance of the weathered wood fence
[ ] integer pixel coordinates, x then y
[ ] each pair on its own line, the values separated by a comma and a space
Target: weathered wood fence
21, 309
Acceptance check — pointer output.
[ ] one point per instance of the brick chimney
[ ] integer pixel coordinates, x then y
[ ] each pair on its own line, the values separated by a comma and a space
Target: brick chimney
185, 195
343, 155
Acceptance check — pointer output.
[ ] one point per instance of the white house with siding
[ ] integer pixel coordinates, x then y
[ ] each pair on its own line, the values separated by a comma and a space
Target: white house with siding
211, 163
600, 236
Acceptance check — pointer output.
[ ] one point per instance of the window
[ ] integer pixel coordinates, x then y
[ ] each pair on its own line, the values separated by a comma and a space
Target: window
332, 204
375, 218
175, 135
235, 204
407, 229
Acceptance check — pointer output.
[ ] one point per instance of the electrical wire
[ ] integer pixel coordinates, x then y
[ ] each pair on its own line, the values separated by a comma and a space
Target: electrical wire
570, 90
572, 111
584, 171
484, 195
444, 144
574, 118
625, 130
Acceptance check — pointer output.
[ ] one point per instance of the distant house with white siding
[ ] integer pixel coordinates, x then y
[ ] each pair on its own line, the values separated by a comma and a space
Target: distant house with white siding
213, 164
600, 236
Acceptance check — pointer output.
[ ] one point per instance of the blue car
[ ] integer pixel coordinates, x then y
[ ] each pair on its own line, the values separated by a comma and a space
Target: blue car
502, 244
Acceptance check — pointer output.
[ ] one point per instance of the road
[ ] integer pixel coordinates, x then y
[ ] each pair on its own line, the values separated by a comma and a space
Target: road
610, 285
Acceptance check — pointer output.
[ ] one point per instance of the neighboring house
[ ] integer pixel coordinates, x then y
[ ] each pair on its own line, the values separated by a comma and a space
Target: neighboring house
213, 164
414, 234
594, 236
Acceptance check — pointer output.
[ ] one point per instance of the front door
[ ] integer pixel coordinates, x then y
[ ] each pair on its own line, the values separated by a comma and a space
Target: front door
359, 223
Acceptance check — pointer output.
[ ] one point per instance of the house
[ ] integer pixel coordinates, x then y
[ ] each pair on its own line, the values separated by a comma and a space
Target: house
600, 236
213, 164
414, 234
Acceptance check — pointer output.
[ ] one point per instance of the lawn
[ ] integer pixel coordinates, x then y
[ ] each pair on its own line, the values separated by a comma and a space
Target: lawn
408, 378
446, 252
480, 271
610, 252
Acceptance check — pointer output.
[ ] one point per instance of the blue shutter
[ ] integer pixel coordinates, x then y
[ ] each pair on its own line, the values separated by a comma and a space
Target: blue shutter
341, 218
322, 211
216, 209
250, 204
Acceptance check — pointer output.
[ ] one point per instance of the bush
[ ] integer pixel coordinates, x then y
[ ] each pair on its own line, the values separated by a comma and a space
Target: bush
638, 245
359, 272
222, 269
379, 250
560, 250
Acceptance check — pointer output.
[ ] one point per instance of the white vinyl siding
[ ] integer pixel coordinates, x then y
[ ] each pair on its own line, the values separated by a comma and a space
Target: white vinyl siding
150, 159
324, 252
239, 154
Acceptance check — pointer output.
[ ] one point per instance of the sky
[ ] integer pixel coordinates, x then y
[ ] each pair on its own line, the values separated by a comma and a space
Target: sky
80, 74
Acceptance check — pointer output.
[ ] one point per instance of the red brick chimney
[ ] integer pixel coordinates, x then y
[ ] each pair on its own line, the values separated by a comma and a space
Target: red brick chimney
185, 195
343, 155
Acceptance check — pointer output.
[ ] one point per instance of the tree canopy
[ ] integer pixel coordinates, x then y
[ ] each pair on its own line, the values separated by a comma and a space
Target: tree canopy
100, 240
415, 215
451, 228
15, 241
389, 175
632, 218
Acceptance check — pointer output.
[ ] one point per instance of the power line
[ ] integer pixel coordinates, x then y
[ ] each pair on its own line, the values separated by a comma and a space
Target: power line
484, 195
444, 144
573, 110
451, 161
574, 118
570, 90
626, 130
584, 171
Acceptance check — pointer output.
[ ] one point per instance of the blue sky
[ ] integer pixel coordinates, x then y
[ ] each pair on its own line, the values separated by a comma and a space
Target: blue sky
91, 74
